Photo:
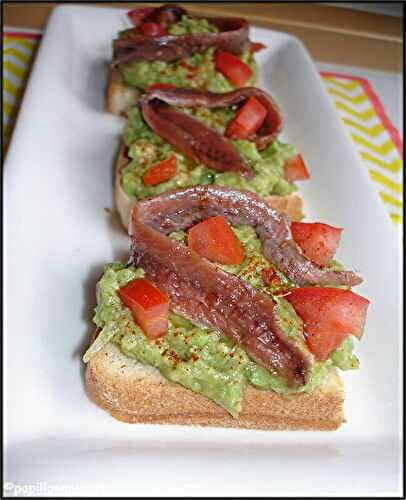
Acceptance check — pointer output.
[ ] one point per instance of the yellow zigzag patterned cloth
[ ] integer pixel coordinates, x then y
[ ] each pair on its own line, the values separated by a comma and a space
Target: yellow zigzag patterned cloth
374, 136
18, 54
377, 140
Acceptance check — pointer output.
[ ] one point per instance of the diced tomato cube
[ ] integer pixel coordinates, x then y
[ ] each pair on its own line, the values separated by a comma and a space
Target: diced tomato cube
248, 119
295, 169
215, 240
138, 15
329, 316
161, 172
256, 47
153, 29
149, 306
236, 131
159, 86
318, 241
232, 68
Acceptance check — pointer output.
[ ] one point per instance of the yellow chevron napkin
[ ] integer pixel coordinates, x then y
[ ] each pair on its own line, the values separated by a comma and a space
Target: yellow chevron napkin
376, 139
18, 52
361, 111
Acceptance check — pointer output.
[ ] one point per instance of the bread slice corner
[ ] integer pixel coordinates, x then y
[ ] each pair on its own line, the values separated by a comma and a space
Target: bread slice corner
291, 204
137, 393
119, 96
123, 202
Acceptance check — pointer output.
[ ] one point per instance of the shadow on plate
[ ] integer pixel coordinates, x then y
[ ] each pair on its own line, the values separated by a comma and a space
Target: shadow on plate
92, 92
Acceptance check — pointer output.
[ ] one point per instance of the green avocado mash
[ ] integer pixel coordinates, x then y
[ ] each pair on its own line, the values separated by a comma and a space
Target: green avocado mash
147, 149
202, 359
191, 26
196, 71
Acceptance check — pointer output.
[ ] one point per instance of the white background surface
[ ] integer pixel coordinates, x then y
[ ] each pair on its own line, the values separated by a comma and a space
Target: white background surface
58, 181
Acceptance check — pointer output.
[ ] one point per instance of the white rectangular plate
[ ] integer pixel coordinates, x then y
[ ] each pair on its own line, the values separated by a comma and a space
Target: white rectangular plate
58, 182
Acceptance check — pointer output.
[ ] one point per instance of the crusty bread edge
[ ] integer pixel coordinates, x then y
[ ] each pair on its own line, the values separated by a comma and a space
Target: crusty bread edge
291, 204
123, 202
136, 393
119, 96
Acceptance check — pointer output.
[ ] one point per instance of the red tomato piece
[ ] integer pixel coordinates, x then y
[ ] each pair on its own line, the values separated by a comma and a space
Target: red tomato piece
161, 172
138, 15
232, 68
295, 169
149, 306
329, 316
160, 86
153, 29
248, 119
318, 241
215, 240
256, 47
236, 131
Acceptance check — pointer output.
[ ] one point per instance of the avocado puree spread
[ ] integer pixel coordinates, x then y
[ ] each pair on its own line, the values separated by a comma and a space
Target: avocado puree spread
145, 149
196, 71
203, 359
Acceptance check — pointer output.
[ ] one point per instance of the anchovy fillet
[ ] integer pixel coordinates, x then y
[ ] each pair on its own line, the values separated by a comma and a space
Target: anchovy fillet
232, 37
211, 297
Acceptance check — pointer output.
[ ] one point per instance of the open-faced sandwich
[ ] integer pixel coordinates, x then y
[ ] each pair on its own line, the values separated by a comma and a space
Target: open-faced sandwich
177, 138
168, 45
227, 314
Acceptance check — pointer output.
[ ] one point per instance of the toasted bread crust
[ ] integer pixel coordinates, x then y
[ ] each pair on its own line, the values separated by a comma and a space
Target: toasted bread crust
291, 204
136, 393
119, 96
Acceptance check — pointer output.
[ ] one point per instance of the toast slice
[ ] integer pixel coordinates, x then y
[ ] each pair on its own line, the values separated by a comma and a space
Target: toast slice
137, 393
292, 204
119, 96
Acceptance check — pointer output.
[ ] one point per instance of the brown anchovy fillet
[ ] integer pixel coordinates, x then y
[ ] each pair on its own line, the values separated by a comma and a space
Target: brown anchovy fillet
210, 297
204, 293
194, 139
198, 141
232, 37
190, 98
181, 209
